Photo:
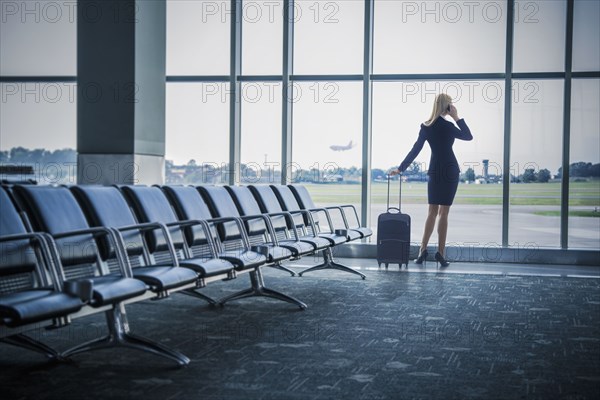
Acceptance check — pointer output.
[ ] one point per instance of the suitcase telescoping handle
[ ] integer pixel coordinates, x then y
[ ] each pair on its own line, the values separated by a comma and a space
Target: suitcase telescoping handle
399, 196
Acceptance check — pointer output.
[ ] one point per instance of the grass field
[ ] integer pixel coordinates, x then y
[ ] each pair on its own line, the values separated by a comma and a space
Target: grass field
531, 194
575, 213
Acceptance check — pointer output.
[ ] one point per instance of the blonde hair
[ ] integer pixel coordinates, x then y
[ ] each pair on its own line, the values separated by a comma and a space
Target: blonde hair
441, 104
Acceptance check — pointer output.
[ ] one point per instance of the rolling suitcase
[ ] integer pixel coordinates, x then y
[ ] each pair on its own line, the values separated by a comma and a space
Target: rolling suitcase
393, 233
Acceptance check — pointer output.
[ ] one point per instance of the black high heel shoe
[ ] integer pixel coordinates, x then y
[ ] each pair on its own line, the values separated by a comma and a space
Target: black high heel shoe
440, 259
422, 258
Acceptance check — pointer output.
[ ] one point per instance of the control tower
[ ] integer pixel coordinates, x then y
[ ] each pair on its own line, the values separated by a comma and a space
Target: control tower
485, 169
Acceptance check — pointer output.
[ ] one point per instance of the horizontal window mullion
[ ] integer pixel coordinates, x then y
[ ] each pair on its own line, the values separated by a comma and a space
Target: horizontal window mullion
49, 79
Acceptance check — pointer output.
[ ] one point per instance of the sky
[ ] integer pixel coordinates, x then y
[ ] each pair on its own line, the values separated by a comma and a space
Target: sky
409, 37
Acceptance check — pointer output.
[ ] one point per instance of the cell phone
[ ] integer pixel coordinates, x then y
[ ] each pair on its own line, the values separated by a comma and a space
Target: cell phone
449, 106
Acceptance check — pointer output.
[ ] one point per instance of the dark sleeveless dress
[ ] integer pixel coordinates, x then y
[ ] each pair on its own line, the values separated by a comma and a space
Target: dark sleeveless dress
443, 169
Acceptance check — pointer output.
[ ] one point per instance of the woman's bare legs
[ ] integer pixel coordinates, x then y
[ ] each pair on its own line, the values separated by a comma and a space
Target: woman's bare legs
442, 228
429, 225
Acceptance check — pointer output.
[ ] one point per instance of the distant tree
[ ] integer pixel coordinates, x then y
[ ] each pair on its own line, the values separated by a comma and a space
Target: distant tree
4, 156
61, 156
37, 156
528, 176
543, 175
19, 155
413, 169
336, 171
249, 173
377, 173
580, 169
470, 175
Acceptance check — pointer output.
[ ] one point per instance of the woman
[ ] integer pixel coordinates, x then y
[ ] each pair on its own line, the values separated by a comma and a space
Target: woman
443, 170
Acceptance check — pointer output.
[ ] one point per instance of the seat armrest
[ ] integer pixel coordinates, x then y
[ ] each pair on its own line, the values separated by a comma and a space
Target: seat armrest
341, 232
260, 249
82, 288
350, 206
268, 224
327, 217
342, 214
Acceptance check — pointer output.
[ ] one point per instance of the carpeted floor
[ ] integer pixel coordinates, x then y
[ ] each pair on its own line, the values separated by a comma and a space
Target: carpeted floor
396, 335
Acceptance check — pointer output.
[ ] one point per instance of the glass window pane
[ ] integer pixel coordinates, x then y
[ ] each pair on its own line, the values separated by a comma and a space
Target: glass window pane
399, 108
439, 37
584, 186
198, 35
586, 36
539, 36
536, 156
197, 133
38, 38
327, 137
38, 122
261, 132
262, 44
328, 37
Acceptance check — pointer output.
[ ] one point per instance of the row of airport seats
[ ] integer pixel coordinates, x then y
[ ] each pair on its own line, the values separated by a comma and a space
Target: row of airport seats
68, 252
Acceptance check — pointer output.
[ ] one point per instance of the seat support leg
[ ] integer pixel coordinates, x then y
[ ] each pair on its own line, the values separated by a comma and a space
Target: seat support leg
26, 342
258, 288
278, 265
120, 336
329, 263
195, 293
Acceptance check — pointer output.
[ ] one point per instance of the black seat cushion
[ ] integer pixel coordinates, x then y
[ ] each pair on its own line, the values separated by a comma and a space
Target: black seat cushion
298, 248
36, 305
302, 196
244, 259
55, 210
274, 198
16, 256
289, 203
317, 242
105, 206
111, 289
247, 206
365, 232
151, 205
164, 277
189, 205
221, 205
279, 253
333, 238
354, 234
206, 268
268, 203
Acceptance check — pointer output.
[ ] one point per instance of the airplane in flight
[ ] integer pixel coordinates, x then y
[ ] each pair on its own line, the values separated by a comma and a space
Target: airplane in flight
337, 147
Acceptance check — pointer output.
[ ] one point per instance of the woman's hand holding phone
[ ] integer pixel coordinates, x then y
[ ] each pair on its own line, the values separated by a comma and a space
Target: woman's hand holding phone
453, 112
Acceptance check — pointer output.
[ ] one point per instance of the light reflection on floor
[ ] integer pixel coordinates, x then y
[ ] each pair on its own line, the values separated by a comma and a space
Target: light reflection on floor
363, 264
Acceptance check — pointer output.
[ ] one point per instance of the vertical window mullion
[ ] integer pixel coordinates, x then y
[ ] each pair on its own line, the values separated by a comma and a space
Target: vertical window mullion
507, 120
564, 203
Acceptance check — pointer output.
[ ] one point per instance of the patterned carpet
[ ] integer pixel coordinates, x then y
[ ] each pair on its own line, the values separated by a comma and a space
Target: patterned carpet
396, 335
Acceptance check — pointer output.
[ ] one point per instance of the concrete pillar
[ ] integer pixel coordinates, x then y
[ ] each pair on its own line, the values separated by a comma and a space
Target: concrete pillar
121, 68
